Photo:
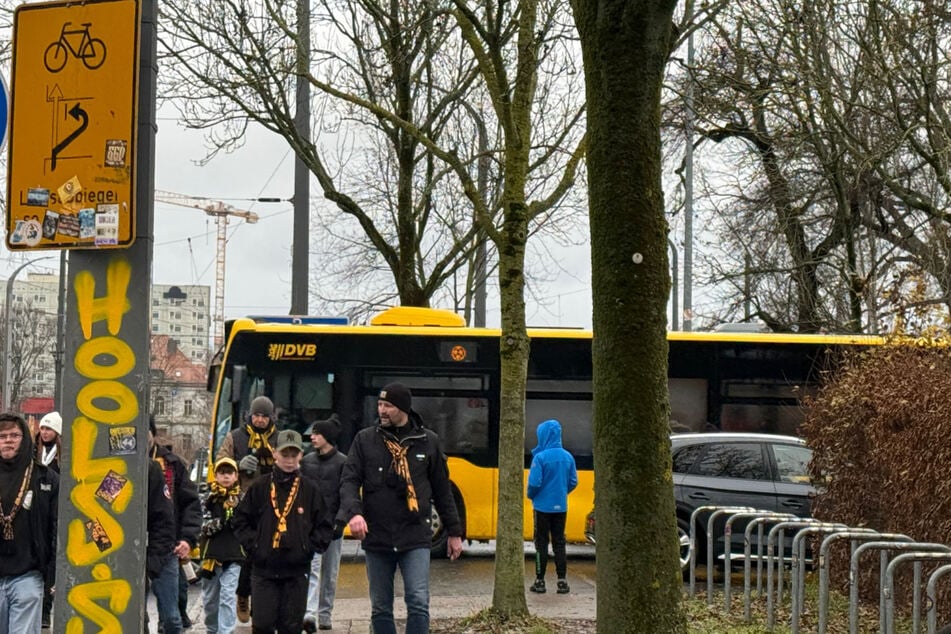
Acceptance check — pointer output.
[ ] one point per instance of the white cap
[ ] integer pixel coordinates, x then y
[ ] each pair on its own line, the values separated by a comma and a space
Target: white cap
53, 421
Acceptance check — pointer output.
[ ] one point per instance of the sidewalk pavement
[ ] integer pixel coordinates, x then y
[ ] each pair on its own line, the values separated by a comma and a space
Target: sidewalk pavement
352, 615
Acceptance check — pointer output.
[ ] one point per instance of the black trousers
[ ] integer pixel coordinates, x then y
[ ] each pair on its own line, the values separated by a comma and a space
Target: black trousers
244, 580
550, 526
279, 604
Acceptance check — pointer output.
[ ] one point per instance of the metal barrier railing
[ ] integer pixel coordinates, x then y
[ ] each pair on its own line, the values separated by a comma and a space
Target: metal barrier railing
779, 529
797, 584
759, 524
854, 536
728, 550
694, 520
885, 547
931, 593
925, 553
916, 552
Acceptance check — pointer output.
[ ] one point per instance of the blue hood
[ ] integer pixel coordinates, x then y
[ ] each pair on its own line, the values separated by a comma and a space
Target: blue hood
549, 436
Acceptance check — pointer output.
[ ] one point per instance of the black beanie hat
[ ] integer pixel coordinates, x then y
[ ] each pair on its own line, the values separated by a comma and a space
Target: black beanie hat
397, 394
262, 406
329, 429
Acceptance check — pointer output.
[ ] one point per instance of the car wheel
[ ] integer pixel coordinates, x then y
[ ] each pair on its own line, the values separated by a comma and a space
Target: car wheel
683, 536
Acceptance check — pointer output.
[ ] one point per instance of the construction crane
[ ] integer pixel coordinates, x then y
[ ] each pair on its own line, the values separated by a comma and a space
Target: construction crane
220, 211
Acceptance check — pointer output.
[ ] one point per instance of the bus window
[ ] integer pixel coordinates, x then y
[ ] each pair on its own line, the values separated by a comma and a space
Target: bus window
688, 402
458, 415
575, 419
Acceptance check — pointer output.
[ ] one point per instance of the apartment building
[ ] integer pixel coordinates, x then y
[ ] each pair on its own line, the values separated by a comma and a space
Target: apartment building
181, 348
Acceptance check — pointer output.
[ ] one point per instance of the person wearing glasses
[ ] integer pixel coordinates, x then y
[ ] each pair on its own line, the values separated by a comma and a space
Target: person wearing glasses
28, 491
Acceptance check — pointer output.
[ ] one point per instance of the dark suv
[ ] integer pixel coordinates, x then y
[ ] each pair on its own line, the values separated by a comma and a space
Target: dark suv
763, 471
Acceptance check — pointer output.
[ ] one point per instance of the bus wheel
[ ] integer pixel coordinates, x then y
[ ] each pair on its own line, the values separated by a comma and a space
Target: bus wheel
440, 536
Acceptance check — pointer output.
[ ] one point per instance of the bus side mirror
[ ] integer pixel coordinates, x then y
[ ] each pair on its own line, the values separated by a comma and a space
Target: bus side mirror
238, 375
214, 370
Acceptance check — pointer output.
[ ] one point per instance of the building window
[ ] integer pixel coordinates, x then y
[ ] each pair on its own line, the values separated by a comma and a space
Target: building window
159, 406
155, 314
188, 407
154, 327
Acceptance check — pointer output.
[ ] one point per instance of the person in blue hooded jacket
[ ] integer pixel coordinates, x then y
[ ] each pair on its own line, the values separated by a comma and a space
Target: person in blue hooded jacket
551, 478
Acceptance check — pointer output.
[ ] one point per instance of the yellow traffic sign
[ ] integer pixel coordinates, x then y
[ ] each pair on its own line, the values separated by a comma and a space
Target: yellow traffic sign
74, 95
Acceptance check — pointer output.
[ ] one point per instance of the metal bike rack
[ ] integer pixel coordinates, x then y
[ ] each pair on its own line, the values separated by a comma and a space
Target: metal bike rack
778, 529
885, 547
797, 584
926, 552
758, 523
728, 548
694, 517
931, 593
854, 536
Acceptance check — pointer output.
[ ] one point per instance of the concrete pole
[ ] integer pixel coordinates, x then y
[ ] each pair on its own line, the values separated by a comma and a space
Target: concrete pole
300, 252
674, 290
688, 177
7, 343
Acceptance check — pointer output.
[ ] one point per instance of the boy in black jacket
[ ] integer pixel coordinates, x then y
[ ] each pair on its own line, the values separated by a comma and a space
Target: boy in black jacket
221, 553
281, 523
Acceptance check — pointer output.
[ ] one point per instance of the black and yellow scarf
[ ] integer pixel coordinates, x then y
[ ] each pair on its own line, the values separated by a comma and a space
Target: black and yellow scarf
229, 498
261, 439
401, 467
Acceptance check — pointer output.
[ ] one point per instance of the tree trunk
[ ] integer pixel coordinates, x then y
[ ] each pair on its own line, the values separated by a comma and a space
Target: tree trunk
625, 45
508, 593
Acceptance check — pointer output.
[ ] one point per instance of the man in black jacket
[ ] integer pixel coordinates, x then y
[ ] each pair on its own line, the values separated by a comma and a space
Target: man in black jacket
392, 472
281, 523
28, 492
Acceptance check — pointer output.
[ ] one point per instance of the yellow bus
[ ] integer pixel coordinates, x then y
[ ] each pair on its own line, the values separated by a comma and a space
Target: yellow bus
312, 367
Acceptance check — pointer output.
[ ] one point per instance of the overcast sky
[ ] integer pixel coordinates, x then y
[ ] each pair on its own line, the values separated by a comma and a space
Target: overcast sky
258, 256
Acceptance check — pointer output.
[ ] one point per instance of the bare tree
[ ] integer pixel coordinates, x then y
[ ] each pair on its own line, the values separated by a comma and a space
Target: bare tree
519, 58
32, 340
829, 120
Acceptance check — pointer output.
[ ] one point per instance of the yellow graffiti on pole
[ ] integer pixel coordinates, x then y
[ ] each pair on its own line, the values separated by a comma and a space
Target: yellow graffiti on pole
109, 308
83, 598
103, 400
88, 472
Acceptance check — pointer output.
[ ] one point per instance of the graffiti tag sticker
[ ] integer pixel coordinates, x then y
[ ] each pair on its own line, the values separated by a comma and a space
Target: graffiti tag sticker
69, 189
107, 224
122, 441
115, 152
37, 197
111, 486
50, 222
96, 533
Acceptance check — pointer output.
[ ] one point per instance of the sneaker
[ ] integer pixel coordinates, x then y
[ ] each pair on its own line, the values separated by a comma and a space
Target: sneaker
244, 609
538, 586
310, 625
563, 587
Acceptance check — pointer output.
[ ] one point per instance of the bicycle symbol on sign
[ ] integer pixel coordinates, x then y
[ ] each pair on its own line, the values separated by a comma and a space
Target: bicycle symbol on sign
91, 50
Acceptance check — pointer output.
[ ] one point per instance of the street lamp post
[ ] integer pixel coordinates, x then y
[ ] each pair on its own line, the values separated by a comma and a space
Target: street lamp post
7, 344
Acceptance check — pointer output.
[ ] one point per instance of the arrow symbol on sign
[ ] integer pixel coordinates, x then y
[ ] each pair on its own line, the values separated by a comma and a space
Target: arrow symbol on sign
80, 115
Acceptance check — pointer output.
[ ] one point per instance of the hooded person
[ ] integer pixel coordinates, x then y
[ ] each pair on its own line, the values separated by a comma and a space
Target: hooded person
48, 450
28, 496
552, 476
47, 440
